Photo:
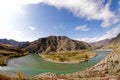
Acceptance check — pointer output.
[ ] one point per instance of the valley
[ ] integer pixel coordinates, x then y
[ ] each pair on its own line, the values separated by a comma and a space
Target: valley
37, 65
52, 62
59, 39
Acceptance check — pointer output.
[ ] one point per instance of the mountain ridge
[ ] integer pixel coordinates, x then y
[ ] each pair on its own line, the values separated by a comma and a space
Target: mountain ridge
12, 42
56, 44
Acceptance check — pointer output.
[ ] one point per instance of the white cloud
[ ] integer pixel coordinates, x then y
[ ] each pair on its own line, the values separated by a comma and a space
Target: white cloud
89, 9
119, 2
11, 33
119, 5
32, 28
82, 28
108, 35
94, 39
111, 33
119, 9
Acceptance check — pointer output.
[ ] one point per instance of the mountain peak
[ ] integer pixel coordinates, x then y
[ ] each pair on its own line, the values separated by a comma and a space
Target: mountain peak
56, 43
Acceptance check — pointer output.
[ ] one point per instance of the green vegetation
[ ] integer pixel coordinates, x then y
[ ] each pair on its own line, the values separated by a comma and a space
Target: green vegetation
69, 56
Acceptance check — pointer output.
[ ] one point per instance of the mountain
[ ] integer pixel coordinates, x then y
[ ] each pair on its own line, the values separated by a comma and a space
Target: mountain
10, 48
9, 51
101, 43
114, 43
12, 42
56, 44
107, 69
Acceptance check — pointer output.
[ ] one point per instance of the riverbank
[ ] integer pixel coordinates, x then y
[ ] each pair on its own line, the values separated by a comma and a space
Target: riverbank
106, 69
5, 56
86, 74
68, 57
8, 51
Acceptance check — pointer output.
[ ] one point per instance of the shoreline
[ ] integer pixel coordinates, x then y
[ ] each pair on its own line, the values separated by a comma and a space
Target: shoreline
66, 62
96, 72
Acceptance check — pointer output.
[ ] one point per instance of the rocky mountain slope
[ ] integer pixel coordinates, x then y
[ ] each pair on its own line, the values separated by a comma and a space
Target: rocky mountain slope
101, 43
56, 44
12, 42
106, 69
114, 44
9, 51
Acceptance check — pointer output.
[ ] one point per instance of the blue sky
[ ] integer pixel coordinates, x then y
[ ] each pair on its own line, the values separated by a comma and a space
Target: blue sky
86, 20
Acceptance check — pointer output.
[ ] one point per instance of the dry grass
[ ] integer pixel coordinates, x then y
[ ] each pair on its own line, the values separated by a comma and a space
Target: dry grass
117, 49
69, 56
5, 55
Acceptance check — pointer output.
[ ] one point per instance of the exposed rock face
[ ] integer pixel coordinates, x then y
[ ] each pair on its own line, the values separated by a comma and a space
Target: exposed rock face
56, 43
106, 69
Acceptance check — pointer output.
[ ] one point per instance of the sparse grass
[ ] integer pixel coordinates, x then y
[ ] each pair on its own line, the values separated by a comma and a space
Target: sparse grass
4, 77
6, 55
20, 76
117, 49
69, 56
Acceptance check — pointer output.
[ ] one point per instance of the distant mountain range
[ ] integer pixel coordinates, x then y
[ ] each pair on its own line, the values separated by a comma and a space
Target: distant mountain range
110, 64
61, 43
11, 42
107, 67
101, 43
114, 43
56, 44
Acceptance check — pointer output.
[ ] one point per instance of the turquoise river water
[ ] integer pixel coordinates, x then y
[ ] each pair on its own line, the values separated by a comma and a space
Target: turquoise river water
32, 65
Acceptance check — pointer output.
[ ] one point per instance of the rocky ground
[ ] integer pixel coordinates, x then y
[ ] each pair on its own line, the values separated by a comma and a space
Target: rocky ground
107, 69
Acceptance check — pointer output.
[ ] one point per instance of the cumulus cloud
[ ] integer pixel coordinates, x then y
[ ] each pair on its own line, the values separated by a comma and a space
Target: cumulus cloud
89, 9
82, 28
32, 28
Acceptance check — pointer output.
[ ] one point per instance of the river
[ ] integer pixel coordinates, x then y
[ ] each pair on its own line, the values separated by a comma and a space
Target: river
32, 65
